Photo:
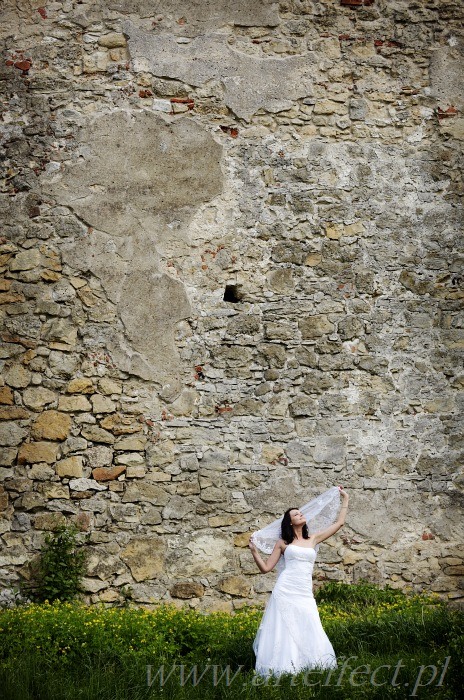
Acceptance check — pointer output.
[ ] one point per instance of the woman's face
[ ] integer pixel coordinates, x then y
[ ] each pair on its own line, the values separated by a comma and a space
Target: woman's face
297, 518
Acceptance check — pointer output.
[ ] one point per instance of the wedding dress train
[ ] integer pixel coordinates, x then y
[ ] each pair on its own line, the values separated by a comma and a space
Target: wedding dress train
290, 637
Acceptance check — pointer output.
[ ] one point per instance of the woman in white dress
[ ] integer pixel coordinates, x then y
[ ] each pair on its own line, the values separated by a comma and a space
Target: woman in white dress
290, 637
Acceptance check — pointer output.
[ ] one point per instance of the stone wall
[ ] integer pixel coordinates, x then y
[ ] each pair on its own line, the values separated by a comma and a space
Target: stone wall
231, 281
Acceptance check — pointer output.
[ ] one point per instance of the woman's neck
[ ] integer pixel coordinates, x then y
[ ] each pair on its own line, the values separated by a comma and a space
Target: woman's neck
298, 533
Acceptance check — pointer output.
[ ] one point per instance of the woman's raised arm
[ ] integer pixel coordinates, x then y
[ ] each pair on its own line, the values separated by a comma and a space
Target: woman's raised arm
332, 529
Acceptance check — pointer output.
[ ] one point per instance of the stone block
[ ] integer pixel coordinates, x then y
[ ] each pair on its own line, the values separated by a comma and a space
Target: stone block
81, 484
48, 521
133, 443
145, 491
224, 520
108, 386
30, 501
51, 425
185, 404
235, 585
125, 512
150, 516
289, 252
96, 62
317, 382
161, 105
454, 128
350, 327
177, 508
328, 107
358, 109
54, 491
112, 40
190, 487
107, 473
189, 462
26, 260
446, 72
102, 404
213, 494
17, 376
244, 324
135, 472
38, 397
10, 298
7, 456
34, 452
61, 333
306, 356
248, 407
74, 404
272, 355
120, 424
145, 557
159, 454
313, 259
96, 434
6, 395
299, 452
99, 456
315, 326
80, 385
13, 413
330, 449
303, 406
149, 327
83, 521
334, 232
209, 554
4, 501
41, 472
19, 484
186, 590
281, 281
73, 444
62, 364
70, 467
131, 458
350, 558
93, 585
11, 434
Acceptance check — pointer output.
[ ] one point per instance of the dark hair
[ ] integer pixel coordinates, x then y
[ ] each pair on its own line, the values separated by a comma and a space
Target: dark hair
287, 529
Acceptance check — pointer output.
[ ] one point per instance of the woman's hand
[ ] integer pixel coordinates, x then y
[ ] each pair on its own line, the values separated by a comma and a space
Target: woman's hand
252, 545
344, 493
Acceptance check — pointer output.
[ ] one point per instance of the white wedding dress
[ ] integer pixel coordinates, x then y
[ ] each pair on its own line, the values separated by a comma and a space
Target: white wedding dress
290, 637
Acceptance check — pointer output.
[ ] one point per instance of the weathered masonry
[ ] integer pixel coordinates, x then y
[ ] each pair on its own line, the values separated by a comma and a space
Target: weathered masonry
230, 280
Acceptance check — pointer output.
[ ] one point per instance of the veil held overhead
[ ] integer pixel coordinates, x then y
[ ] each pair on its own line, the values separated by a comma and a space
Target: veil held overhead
320, 513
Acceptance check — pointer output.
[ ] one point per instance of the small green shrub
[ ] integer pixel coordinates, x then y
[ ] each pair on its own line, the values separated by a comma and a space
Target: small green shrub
61, 566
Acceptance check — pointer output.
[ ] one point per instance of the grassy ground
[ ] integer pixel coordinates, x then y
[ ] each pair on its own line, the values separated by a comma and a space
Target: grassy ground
388, 645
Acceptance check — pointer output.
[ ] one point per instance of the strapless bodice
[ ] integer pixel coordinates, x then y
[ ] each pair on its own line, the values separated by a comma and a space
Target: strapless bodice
296, 575
294, 552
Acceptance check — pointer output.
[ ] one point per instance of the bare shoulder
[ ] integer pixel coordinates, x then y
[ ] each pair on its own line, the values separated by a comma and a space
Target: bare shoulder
280, 544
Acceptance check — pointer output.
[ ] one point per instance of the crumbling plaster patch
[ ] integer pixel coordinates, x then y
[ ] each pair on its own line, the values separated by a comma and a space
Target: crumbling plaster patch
136, 185
249, 82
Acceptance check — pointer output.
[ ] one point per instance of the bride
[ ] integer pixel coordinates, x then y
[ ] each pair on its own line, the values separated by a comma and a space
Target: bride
290, 637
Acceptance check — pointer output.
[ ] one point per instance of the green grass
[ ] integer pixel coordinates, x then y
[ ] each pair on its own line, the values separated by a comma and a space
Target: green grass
65, 651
